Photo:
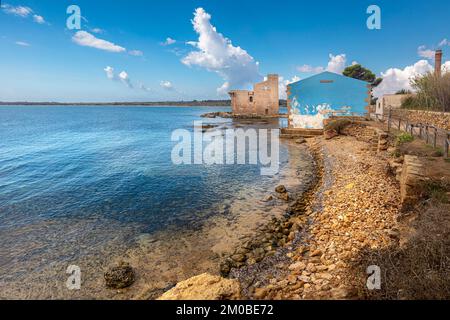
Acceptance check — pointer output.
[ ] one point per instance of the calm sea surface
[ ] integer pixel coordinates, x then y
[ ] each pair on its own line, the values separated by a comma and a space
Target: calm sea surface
82, 181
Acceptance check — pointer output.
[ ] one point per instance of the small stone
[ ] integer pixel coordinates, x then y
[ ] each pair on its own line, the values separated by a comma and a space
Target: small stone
280, 189
260, 293
316, 253
325, 276
298, 266
305, 279
300, 141
268, 198
283, 196
225, 269
238, 257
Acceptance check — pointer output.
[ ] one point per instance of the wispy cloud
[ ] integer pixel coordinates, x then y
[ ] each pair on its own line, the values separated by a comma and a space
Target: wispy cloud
169, 41
122, 76
144, 87
167, 85
136, 53
22, 43
86, 39
306, 68
20, 11
97, 30
23, 12
216, 53
109, 72
444, 43
38, 19
423, 52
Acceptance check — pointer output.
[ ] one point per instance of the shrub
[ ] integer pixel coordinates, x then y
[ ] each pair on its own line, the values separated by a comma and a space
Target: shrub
433, 93
404, 138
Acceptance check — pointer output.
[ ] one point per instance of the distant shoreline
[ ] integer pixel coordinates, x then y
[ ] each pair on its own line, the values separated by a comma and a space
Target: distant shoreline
194, 103
205, 103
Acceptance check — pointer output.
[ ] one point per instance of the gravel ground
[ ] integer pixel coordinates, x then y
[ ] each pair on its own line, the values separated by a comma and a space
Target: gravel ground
353, 209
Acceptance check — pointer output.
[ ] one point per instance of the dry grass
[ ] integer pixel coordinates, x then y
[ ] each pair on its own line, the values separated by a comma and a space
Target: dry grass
419, 269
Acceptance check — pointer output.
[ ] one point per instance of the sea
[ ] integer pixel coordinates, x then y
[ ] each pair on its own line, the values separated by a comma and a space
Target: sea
90, 186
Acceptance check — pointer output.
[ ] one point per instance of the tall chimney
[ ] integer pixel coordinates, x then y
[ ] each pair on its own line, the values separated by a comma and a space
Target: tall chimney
438, 63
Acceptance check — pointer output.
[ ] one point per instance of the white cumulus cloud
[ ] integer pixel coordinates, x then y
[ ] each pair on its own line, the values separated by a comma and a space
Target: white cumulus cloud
282, 85
216, 53
337, 63
86, 39
395, 79
125, 79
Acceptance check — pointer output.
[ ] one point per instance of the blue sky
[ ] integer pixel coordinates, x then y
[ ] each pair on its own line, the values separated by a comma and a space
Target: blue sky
42, 60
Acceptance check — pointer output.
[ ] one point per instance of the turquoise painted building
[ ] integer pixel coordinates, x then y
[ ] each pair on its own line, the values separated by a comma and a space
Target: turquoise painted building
312, 100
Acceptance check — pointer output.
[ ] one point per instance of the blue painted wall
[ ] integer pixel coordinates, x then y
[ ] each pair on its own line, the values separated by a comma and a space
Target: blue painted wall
305, 95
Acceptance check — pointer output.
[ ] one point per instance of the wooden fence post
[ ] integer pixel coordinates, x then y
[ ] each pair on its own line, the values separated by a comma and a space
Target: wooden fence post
389, 119
446, 146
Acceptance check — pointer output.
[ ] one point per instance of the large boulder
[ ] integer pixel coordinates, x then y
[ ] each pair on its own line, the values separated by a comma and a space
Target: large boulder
204, 287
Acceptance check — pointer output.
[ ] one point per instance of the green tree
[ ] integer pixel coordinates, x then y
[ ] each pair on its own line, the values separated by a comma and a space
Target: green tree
357, 71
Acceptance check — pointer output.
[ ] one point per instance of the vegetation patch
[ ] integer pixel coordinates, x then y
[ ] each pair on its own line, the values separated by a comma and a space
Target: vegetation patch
404, 138
433, 93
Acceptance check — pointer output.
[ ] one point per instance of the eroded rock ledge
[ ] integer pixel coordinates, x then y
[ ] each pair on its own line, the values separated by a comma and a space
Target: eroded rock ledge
205, 287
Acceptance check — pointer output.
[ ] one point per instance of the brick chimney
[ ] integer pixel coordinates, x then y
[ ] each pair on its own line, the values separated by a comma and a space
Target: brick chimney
438, 63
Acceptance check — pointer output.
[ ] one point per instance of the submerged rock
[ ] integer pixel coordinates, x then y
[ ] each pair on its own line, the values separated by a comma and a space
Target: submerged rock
119, 276
280, 189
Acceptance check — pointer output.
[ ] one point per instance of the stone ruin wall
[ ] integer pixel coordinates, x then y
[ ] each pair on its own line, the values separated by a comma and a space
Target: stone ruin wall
263, 100
438, 119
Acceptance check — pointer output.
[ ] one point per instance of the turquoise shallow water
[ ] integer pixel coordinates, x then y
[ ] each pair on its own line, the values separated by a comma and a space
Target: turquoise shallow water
78, 181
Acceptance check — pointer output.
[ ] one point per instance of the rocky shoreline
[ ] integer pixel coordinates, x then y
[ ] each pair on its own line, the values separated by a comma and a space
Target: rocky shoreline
370, 205
310, 253
230, 115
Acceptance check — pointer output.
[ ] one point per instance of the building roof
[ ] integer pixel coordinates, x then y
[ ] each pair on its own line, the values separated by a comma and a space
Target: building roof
329, 74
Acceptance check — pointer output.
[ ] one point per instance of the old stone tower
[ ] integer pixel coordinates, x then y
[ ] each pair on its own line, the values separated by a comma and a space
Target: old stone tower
263, 100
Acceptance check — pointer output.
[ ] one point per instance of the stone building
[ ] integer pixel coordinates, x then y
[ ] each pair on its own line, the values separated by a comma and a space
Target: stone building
263, 100
387, 101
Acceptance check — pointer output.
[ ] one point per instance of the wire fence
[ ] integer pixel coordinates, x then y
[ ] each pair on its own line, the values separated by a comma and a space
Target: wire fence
430, 134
